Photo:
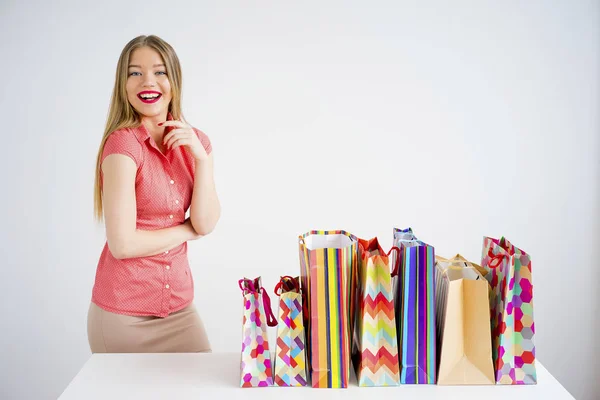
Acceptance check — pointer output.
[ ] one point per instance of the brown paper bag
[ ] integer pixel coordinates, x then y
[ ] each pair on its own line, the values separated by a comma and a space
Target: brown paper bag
463, 323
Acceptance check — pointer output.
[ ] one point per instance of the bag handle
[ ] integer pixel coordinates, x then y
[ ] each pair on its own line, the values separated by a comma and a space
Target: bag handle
249, 283
495, 257
278, 286
397, 263
271, 321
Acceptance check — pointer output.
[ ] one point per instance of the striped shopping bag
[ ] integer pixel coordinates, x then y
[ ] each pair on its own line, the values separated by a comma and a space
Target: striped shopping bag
511, 308
255, 363
328, 262
414, 298
290, 355
375, 346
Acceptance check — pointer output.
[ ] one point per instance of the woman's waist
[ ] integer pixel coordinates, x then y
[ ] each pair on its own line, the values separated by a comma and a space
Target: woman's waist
177, 255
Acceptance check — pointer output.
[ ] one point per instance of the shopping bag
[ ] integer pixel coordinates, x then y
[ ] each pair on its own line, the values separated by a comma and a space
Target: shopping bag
414, 298
375, 346
511, 307
255, 364
463, 323
290, 355
328, 262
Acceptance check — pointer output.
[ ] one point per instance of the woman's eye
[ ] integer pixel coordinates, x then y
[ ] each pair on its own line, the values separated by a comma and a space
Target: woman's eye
135, 73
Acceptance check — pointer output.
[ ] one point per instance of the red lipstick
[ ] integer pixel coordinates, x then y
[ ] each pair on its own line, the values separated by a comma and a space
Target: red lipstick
149, 96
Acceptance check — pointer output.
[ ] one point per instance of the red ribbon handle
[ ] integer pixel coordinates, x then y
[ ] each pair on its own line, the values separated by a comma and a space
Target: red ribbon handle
278, 286
495, 257
271, 321
249, 283
397, 264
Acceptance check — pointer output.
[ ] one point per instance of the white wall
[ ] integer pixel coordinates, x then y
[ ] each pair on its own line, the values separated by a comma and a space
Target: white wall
460, 119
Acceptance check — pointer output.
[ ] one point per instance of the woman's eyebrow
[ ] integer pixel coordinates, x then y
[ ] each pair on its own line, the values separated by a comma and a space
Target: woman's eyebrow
155, 66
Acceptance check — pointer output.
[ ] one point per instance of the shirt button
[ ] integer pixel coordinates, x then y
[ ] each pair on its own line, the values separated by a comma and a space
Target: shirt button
176, 201
167, 266
171, 216
167, 252
167, 286
172, 181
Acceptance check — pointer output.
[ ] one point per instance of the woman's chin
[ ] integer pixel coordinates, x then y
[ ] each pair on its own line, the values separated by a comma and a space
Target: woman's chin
150, 110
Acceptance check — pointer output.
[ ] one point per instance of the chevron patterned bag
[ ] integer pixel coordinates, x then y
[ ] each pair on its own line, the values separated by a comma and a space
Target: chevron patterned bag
375, 347
290, 361
255, 363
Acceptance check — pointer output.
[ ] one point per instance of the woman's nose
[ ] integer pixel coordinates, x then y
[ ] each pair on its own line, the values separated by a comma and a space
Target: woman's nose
149, 81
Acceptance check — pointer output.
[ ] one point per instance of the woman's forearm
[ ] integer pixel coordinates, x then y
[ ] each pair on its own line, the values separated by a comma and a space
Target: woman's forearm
205, 209
142, 243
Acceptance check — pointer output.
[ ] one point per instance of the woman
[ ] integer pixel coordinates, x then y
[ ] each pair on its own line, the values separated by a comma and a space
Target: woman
151, 167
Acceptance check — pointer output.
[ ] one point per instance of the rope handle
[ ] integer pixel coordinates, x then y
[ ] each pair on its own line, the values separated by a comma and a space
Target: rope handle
271, 320
397, 264
250, 284
278, 286
495, 257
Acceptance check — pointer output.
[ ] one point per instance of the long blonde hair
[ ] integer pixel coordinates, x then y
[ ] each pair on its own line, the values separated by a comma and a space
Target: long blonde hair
121, 113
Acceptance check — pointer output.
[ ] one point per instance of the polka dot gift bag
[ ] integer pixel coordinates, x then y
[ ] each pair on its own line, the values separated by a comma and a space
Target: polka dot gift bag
255, 364
511, 307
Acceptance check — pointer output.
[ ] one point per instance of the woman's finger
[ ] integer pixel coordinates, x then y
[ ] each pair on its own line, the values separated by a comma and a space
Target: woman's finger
172, 139
174, 122
181, 142
174, 132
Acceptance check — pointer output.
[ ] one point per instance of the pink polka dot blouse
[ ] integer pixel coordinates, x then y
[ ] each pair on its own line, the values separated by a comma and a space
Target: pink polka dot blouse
161, 284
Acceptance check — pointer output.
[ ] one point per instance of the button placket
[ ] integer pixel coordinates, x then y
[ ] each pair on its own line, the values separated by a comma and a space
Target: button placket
166, 275
171, 190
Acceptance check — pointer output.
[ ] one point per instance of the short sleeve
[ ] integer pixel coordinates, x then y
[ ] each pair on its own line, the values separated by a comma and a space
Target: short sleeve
204, 140
123, 142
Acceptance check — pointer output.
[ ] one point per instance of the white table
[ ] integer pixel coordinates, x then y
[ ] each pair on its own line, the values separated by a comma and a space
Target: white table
217, 376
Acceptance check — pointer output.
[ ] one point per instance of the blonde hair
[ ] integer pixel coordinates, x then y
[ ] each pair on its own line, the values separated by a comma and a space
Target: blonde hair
121, 113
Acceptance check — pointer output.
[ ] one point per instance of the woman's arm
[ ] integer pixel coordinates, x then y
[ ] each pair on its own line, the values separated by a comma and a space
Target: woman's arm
124, 239
205, 209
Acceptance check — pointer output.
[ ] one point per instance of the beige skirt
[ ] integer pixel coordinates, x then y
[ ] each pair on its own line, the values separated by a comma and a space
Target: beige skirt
180, 332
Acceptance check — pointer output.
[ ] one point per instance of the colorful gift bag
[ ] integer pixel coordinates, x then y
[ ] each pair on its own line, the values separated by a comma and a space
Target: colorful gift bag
328, 261
255, 365
290, 361
511, 306
463, 323
375, 346
414, 298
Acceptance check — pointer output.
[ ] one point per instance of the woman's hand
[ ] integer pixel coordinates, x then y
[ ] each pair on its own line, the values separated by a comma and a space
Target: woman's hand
184, 135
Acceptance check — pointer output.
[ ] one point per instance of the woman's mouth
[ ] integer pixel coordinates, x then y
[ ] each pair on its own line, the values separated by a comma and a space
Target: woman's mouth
149, 97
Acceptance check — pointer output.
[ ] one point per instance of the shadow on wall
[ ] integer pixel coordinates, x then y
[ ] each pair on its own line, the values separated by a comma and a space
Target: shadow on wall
591, 387
593, 390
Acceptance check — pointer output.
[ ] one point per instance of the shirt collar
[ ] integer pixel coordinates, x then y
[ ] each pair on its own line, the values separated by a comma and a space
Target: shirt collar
141, 132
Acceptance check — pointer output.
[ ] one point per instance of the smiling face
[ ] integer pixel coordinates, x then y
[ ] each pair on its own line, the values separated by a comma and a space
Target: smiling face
148, 87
